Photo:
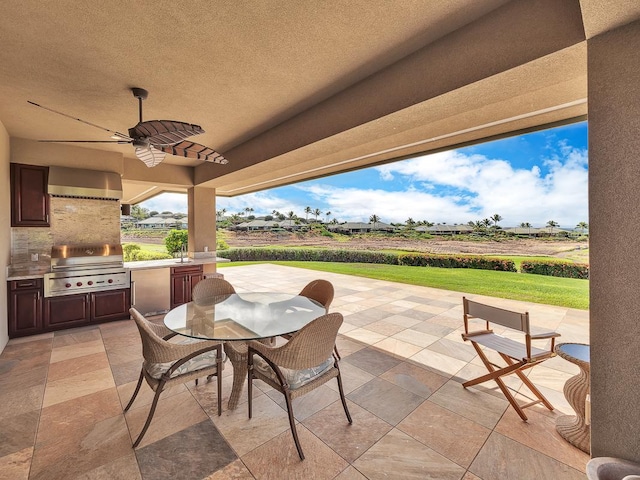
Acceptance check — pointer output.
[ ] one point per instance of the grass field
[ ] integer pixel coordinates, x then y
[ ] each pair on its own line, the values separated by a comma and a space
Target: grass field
564, 292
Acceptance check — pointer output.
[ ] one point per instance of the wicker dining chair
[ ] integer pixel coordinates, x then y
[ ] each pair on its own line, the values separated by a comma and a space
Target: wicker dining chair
321, 291
299, 366
211, 287
166, 363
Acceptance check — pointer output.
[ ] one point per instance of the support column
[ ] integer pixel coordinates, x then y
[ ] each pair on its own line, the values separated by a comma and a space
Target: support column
202, 221
614, 218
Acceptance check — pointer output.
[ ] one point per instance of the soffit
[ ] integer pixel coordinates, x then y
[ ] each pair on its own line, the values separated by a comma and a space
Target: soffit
237, 68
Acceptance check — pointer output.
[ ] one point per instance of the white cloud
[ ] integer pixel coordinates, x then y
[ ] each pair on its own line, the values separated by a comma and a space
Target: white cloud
447, 187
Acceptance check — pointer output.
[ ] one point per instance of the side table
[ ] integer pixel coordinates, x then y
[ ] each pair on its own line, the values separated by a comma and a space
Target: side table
573, 428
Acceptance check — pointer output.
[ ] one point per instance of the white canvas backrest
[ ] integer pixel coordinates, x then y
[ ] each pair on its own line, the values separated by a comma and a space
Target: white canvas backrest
506, 318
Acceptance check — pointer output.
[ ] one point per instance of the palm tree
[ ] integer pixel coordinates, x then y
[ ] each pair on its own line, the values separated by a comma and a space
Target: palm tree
410, 223
374, 219
582, 226
307, 211
486, 222
291, 215
248, 209
526, 225
496, 218
551, 224
327, 214
317, 212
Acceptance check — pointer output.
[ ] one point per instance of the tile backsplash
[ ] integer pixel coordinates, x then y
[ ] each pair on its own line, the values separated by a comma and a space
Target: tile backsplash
74, 221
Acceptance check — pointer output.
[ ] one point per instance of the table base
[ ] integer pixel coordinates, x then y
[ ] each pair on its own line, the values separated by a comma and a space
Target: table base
573, 429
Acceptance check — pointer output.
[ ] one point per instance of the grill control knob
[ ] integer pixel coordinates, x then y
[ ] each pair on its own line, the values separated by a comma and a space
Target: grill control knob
89, 282
110, 280
79, 284
67, 285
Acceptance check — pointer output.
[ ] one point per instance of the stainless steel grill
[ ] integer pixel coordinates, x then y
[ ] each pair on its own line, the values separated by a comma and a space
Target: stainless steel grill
82, 269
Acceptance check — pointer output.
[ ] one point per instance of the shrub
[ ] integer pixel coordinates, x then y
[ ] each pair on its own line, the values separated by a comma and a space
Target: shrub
456, 261
175, 240
132, 252
556, 269
309, 255
366, 256
221, 244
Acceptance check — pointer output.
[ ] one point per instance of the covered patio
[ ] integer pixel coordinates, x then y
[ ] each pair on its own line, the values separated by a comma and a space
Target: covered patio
290, 93
403, 362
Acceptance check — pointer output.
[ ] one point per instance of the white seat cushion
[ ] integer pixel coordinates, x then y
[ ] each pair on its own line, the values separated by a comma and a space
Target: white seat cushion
207, 359
295, 378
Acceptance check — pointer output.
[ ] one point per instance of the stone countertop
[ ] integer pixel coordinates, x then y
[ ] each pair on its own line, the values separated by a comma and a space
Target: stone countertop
172, 262
27, 272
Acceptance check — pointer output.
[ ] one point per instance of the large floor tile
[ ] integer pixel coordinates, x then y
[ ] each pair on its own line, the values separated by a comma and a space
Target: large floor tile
18, 401
77, 386
372, 360
397, 455
309, 403
82, 450
504, 459
415, 379
15, 466
62, 419
475, 405
173, 414
189, 454
73, 367
123, 468
388, 401
348, 440
442, 430
278, 458
18, 432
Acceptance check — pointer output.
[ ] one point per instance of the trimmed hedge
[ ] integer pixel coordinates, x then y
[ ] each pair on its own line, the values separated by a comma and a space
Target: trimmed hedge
457, 261
556, 269
366, 256
308, 255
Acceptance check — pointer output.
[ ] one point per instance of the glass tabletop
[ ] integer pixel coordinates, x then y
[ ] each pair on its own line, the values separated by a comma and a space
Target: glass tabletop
243, 316
579, 351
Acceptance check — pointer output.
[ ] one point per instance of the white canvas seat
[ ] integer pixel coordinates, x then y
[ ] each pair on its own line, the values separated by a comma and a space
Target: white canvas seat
518, 356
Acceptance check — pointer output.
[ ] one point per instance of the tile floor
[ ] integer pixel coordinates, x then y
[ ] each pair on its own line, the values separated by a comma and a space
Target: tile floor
62, 394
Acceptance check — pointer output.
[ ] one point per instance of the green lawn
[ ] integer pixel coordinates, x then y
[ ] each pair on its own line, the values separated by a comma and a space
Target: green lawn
564, 292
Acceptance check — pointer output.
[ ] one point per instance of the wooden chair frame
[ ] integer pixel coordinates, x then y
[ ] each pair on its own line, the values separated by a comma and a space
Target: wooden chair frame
517, 356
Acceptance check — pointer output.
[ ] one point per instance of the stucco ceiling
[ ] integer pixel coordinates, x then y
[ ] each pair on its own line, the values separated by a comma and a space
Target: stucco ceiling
289, 90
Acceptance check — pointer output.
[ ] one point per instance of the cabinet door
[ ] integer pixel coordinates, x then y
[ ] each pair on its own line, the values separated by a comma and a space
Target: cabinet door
29, 197
66, 311
179, 289
193, 279
25, 312
110, 305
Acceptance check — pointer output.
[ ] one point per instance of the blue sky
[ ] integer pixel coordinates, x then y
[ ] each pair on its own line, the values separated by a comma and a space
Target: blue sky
532, 178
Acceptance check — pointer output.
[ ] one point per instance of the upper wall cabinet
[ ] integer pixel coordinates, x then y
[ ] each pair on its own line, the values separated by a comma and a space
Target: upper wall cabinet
29, 197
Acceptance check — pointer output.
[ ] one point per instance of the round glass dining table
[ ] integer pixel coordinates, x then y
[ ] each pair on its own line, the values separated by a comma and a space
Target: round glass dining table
235, 319
243, 316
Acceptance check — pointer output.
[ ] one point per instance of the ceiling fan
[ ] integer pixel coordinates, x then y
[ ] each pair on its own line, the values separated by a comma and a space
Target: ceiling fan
153, 139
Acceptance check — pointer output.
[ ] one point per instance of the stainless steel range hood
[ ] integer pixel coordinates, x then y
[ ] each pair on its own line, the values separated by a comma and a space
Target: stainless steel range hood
74, 182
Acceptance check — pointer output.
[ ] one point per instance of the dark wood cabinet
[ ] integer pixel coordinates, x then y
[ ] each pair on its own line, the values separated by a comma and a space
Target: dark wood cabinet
183, 280
110, 305
66, 311
29, 197
25, 307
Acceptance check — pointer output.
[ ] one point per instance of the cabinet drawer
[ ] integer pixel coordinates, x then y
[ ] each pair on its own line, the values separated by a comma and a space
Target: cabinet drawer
185, 270
25, 284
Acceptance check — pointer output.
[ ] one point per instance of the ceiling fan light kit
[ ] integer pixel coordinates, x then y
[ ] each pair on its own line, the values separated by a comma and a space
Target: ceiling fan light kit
153, 139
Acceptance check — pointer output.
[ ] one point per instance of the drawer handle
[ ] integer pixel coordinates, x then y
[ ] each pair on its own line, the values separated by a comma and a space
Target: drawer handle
26, 284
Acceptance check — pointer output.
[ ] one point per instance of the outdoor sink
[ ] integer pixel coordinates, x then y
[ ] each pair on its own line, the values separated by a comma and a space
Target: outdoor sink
184, 261
610, 468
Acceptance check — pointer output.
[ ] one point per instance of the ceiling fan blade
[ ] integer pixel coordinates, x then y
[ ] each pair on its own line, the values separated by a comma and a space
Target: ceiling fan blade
164, 132
121, 142
121, 135
194, 150
150, 156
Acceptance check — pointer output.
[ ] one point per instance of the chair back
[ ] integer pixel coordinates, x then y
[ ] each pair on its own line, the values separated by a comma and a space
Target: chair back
211, 287
154, 348
312, 344
319, 290
506, 318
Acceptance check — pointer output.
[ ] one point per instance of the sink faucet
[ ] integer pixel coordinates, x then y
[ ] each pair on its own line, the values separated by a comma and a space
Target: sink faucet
182, 251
